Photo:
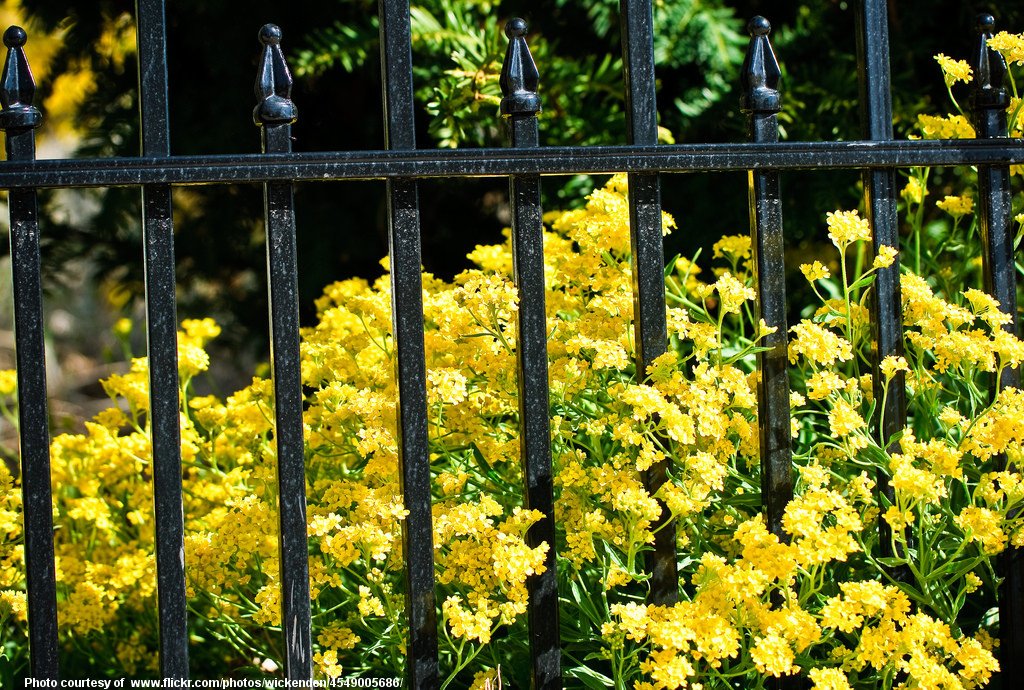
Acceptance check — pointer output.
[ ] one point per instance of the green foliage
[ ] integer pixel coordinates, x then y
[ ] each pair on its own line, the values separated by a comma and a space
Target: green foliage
458, 48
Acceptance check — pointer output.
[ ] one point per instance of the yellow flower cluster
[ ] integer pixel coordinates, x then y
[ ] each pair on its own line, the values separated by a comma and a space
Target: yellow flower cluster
957, 206
818, 345
954, 71
913, 192
949, 127
846, 227
958, 337
1010, 45
803, 596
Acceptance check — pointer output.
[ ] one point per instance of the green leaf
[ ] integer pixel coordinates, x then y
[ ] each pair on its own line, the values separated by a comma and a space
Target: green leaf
590, 678
864, 281
891, 561
582, 599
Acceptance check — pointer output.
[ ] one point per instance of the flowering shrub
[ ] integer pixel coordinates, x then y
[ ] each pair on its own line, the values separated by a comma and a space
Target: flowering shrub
824, 602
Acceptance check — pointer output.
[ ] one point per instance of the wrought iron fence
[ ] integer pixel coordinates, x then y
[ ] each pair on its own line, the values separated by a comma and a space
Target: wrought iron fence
401, 166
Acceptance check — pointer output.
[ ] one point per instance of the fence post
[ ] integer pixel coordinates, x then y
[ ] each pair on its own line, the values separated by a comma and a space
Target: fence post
650, 331
519, 107
19, 120
407, 325
988, 103
274, 114
162, 346
880, 200
761, 101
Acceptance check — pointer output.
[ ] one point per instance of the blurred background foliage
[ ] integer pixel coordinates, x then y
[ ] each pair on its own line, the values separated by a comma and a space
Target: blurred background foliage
84, 59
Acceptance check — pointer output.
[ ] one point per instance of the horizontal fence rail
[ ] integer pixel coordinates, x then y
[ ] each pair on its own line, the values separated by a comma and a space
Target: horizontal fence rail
401, 166
487, 162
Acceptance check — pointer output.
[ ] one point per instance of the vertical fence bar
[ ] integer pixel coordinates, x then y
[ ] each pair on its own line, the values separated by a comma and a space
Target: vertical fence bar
988, 103
274, 114
162, 345
880, 192
19, 120
761, 101
650, 331
519, 107
407, 324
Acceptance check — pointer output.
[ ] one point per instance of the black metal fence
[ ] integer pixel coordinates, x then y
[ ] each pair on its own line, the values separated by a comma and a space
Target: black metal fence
401, 166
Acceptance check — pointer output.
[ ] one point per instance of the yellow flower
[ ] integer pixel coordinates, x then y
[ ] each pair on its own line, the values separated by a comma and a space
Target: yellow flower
200, 330
897, 519
845, 227
763, 329
1010, 45
987, 307
487, 679
327, 663
823, 384
192, 359
733, 293
953, 71
815, 271
736, 247
913, 482
982, 525
693, 409
950, 416
123, 327
668, 669
885, 257
772, 654
818, 344
632, 619
616, 577
495, 257
447, 385
8, 382
468, 623
764, 551
957, 206
338, 636
913, 192
829, 679
13, 603
976, 660
891, 365
369, 605
822, 523
951, 127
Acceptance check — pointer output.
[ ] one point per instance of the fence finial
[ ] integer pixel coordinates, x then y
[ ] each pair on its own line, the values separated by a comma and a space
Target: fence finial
519, 75
273, 82
17, 87
760, 75
987, 90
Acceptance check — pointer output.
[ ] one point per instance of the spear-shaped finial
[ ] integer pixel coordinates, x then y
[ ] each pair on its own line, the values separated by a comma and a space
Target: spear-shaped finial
519, 75
987, 91
760, 75
273, 82
17, 87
